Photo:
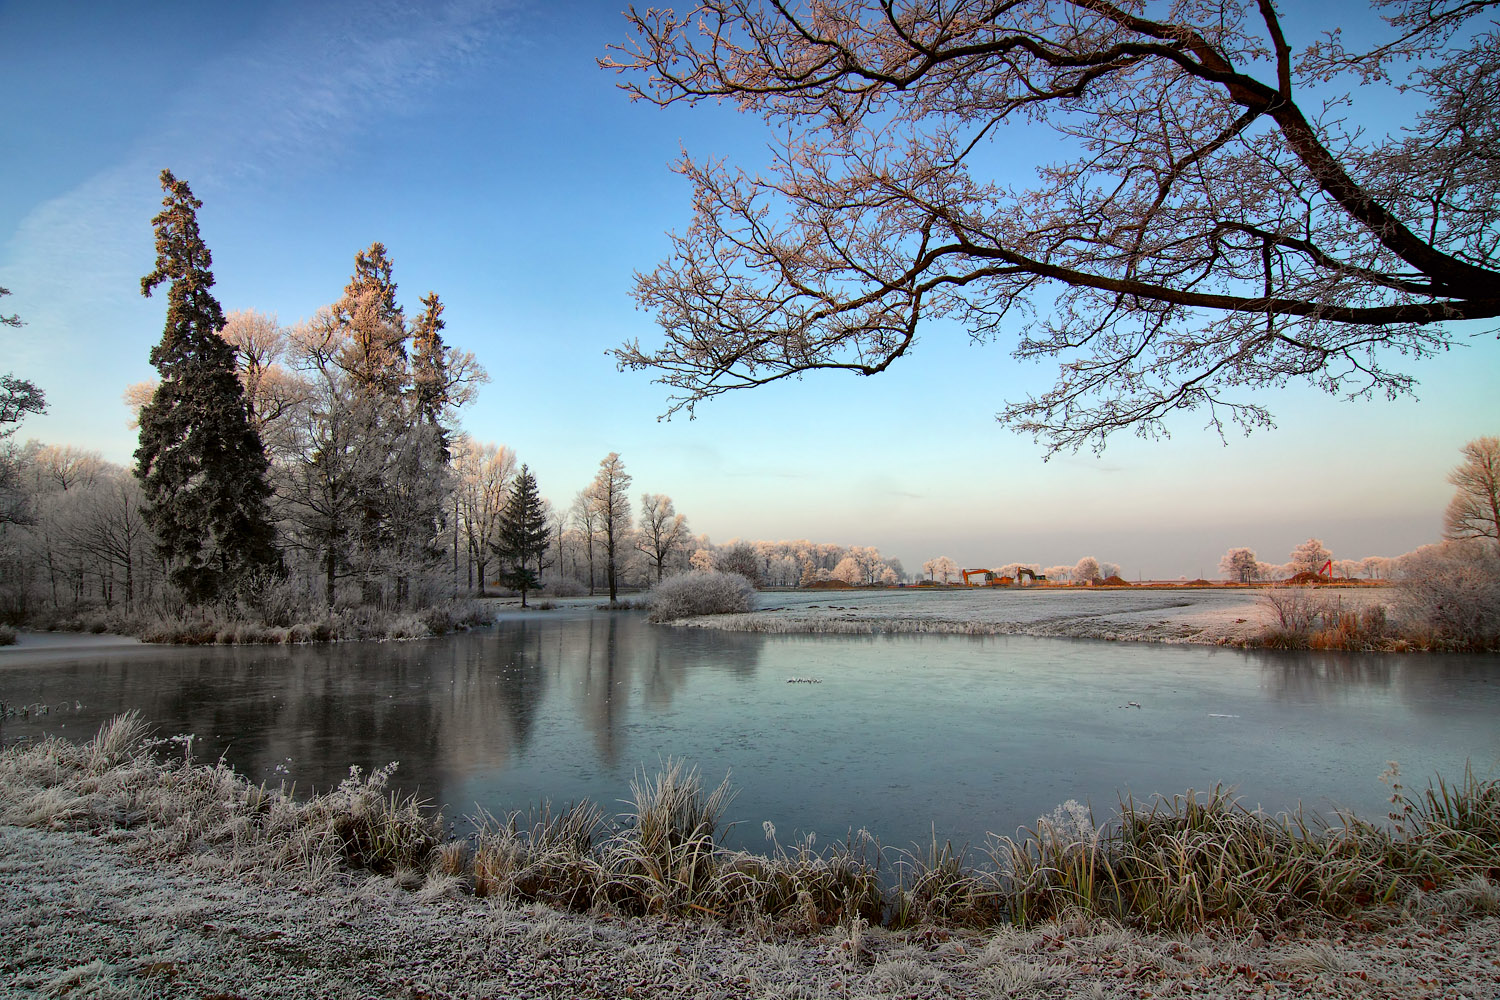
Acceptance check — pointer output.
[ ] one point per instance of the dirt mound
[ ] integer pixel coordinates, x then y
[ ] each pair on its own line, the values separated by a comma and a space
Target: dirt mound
1200, 582
829, 585
1307, 576
1114, 581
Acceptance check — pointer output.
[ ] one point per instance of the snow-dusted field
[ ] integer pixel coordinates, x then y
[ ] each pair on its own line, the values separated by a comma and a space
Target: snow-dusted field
1141, 614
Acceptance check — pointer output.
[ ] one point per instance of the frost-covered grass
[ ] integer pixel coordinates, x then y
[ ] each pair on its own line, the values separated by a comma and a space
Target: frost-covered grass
244, 625
79, 917
1137, 613
700, 592
209, 626
1171, 864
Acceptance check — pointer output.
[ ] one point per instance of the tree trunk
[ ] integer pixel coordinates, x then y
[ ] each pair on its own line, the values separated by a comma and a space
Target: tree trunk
330, 570
609, 569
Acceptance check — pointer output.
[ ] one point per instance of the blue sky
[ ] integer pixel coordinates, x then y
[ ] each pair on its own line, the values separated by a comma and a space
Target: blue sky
479, 141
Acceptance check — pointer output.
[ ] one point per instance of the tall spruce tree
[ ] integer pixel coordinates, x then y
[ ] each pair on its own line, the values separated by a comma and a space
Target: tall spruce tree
523, 534
200, 462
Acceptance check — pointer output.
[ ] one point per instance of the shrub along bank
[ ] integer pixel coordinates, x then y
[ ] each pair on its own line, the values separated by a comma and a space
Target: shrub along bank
1447, 598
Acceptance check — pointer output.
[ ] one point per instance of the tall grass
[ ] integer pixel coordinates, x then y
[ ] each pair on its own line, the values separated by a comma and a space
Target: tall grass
1171, 864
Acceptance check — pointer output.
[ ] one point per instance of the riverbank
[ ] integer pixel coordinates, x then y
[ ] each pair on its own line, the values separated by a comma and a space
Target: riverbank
129, 870
1213, 616
80, 916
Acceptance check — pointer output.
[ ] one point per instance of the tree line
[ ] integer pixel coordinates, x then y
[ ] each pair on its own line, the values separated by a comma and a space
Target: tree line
285, 469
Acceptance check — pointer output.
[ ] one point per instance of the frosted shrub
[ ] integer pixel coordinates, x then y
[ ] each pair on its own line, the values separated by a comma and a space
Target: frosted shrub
1297, 609
566, 587
1452, 591
700, 593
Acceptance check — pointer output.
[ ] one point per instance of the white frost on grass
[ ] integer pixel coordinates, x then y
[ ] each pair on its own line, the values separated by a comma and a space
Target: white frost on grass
1146, 614
81, 917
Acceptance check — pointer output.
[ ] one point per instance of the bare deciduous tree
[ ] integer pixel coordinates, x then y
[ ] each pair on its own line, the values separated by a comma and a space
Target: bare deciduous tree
585, 519
1086, 570
272, 391
941, 566
609, 498
483, 473
1240, 565
1474, 511
1201, 225
662, 529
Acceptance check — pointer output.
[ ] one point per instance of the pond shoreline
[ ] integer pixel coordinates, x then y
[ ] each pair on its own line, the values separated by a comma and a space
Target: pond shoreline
1166, 614
191, 928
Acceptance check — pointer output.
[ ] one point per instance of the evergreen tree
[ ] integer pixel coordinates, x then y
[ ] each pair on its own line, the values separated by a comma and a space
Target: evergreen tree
200, 462
522, 537
429, 364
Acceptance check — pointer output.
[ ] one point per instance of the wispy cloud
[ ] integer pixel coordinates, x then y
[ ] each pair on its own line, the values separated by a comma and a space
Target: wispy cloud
287, 102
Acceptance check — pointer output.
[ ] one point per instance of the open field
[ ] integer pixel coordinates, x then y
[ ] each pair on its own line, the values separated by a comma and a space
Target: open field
1168, 614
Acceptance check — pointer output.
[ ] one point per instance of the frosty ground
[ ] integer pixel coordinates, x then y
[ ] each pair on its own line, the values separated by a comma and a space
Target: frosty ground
81, 917
1145, 614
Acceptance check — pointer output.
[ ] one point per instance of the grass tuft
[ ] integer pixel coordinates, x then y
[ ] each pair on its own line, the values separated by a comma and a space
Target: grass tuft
1173, 864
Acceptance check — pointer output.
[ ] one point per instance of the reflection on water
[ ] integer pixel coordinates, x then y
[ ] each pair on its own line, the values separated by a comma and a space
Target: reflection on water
1303, 675
970, 734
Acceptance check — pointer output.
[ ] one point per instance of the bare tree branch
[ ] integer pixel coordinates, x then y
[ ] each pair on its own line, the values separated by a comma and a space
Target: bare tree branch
1196, 230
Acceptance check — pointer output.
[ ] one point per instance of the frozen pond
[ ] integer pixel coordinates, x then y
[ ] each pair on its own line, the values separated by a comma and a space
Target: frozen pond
902, 734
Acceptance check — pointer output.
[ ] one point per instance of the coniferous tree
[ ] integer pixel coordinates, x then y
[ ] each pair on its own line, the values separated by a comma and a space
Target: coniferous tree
200, 462
523, 536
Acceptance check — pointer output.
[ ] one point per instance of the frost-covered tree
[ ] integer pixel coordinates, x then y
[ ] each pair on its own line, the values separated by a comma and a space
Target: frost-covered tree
1474, 511
1203, 224
739, 557
18, 396
1086, 570
608, 497
585, 521
201, 464
941, 566
662, 531
1058, 574
522, 535
106, 528
367, 482
867, 559
482, 474
849, 571
272, 390
1240, 565
1308, 557
1349, 569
